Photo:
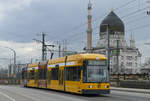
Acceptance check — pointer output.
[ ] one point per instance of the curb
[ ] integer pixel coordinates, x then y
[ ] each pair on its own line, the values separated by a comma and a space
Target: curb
132, 90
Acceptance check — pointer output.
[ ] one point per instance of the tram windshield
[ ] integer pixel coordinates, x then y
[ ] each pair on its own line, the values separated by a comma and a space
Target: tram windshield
95, 71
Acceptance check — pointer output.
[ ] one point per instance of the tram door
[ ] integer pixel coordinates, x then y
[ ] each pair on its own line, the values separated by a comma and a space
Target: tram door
36, 78
24, 77
61, 78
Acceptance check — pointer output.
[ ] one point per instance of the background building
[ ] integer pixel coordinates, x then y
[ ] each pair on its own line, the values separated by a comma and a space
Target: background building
145, 67
14, 71
124, 58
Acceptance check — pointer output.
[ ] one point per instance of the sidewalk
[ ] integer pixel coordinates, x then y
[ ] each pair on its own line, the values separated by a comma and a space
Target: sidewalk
131, 90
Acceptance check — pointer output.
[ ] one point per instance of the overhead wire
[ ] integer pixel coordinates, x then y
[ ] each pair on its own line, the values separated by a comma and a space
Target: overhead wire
134, 12
124, 5
138, 27
79, 26
76, 35
136, 19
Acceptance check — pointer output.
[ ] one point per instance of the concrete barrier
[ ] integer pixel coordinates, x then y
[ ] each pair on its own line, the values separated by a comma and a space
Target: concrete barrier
144, 84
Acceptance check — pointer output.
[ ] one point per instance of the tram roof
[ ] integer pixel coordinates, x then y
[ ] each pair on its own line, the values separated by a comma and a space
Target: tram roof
33, 65
77, 57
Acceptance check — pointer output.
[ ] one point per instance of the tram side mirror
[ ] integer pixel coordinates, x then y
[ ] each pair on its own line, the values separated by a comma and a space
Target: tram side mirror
85, 63
57, 66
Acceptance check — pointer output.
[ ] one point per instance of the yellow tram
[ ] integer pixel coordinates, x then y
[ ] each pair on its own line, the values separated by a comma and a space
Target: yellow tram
80, 73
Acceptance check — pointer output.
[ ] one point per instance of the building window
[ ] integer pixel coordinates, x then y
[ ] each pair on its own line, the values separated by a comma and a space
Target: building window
136, 64
115, 59
121, 63
122, 58
129, 57
135, 58
129, 64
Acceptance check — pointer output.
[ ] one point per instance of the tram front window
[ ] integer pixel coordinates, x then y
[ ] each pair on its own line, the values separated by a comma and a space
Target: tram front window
95, 71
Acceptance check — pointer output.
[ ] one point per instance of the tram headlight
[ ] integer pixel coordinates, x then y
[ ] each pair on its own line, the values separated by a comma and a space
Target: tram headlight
107, 86
90, 86
99, 86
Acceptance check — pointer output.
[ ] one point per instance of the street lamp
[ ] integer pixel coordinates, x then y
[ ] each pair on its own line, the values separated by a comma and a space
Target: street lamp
14, 57
13, 52
148, 12
108, 47
44, 47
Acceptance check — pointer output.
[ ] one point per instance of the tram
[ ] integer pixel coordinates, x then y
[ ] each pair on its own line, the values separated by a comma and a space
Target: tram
80, 73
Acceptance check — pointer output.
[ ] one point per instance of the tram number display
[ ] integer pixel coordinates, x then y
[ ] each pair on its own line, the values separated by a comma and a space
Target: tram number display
96, 62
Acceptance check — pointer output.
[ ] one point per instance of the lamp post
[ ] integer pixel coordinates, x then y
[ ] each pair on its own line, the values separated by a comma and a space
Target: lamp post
147, 44
14, 58
44, 47
148, 11
13, 52
108, 47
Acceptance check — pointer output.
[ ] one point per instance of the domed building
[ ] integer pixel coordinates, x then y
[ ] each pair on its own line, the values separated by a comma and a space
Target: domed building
127, 56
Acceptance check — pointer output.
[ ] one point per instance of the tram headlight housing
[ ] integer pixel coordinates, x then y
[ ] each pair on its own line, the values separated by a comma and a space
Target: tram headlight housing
107, 86
99, 86
90, 86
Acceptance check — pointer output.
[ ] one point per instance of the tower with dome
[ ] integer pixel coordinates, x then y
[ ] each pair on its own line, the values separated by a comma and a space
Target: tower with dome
124, 58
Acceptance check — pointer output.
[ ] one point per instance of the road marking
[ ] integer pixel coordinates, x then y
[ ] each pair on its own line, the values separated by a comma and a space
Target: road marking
10, 98
36, 92
25, 96
68, 98
51, 95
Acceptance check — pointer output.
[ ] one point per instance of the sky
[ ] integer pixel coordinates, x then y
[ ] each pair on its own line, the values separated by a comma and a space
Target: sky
21, 21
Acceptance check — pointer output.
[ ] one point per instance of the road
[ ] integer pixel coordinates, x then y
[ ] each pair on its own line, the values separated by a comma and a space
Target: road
17, 93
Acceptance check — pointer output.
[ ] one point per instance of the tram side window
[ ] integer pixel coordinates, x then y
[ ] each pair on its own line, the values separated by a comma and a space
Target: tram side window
49, 76
84, 75
44, 73
36, 75
24, 74
23, 77
54, 74
28, 75
32, 74
40, 74
73, 73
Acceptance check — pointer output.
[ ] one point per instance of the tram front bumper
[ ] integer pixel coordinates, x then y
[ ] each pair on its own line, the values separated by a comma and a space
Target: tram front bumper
95, 91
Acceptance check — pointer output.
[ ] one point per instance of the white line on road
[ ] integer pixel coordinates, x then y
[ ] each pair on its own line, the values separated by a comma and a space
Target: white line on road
68, 98
10, 98
25, 96
51, 95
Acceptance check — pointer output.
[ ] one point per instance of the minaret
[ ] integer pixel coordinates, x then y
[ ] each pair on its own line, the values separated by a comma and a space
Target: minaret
132, 41
89, 30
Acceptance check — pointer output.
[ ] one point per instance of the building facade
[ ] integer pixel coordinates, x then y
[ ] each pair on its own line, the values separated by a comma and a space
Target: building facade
145, 67
15, 70
124, 58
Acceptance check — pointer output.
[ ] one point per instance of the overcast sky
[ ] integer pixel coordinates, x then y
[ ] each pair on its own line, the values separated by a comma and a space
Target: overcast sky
22, 20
